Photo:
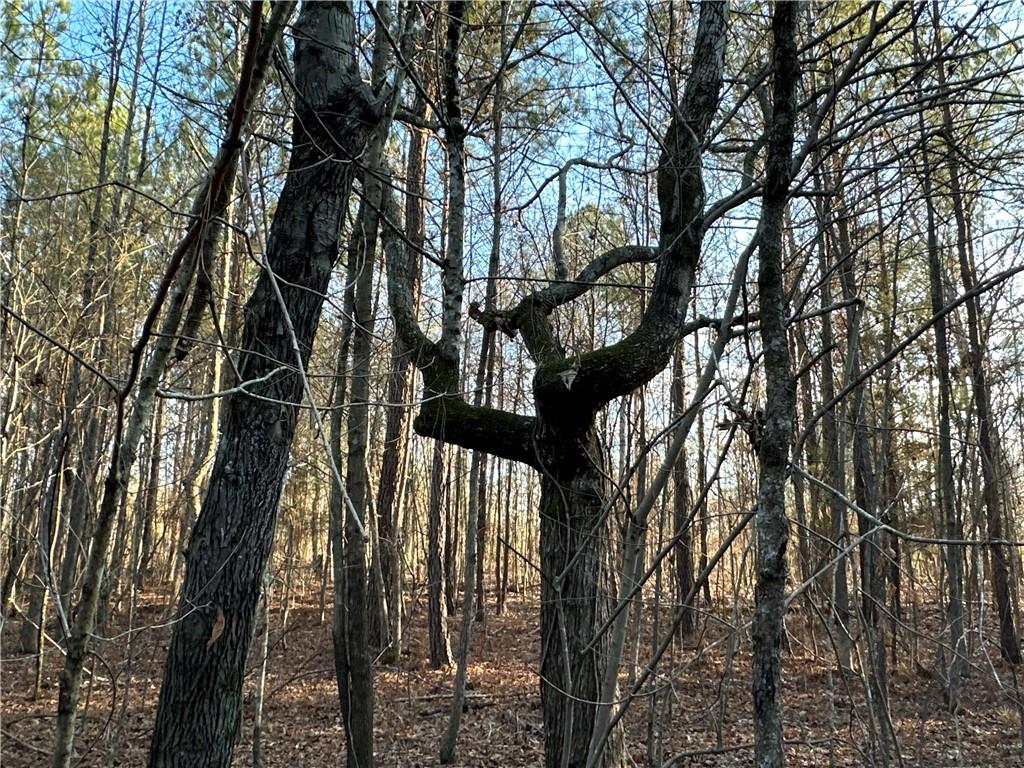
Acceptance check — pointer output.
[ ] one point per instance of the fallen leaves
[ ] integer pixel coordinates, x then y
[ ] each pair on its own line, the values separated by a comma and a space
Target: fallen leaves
699, 696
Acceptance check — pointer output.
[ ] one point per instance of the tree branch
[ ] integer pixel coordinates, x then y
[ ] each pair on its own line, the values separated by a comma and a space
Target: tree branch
444, 413
604, 374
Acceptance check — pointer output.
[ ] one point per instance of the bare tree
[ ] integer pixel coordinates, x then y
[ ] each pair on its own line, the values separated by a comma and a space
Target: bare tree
1009, 645
334, 115
945, 484
143, 377
772, 525
561, 441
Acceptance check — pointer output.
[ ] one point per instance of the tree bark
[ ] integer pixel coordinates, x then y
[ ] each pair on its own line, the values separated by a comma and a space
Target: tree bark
400, 390
832, 452
351, 636
772, 525
439, 645
201, 694
575, 594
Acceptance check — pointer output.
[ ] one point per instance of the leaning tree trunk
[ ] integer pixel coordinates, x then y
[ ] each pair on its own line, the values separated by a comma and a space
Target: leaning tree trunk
145, 371
200, 699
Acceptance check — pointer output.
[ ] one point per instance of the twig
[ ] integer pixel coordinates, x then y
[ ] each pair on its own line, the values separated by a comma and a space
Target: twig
62, 347
675, 759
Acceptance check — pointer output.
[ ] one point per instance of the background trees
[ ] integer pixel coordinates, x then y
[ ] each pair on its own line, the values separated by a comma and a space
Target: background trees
524, 231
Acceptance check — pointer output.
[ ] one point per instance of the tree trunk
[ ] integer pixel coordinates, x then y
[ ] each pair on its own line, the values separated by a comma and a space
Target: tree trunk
472, 533
772, 526
560, 441
351, 637
144, 372
575, 593
440, 650
337, 514
352, 611
1009, 645
396, 430
452, 506
833, 451
945, 484
151, 498
682, 526
83, 484
200, 698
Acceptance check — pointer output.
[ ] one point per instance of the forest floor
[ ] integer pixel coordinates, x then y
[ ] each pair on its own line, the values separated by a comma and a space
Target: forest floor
707, 694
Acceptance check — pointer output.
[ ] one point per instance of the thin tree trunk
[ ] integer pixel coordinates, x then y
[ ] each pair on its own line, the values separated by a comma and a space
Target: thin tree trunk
46, 584
952, 528
772, 527
991, 491
336, 501
800, 497
475, 529
261, 680
151, 499
440, 651
485, 372
449, 743
355, 677
400, 389
681, 503
351, 623
833, 452
80, 511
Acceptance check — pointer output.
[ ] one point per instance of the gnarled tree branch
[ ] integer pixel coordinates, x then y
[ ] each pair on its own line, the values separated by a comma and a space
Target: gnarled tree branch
444, 413
604, 374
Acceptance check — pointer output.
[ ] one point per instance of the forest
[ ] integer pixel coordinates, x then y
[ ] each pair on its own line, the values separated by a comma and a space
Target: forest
563, 383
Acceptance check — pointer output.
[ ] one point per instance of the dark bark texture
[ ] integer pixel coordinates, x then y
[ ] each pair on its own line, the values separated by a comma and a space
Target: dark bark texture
560, 440
200, 699
576, 594
779, 411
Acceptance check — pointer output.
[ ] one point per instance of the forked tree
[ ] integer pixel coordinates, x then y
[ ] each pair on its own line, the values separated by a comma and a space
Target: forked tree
560, 441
